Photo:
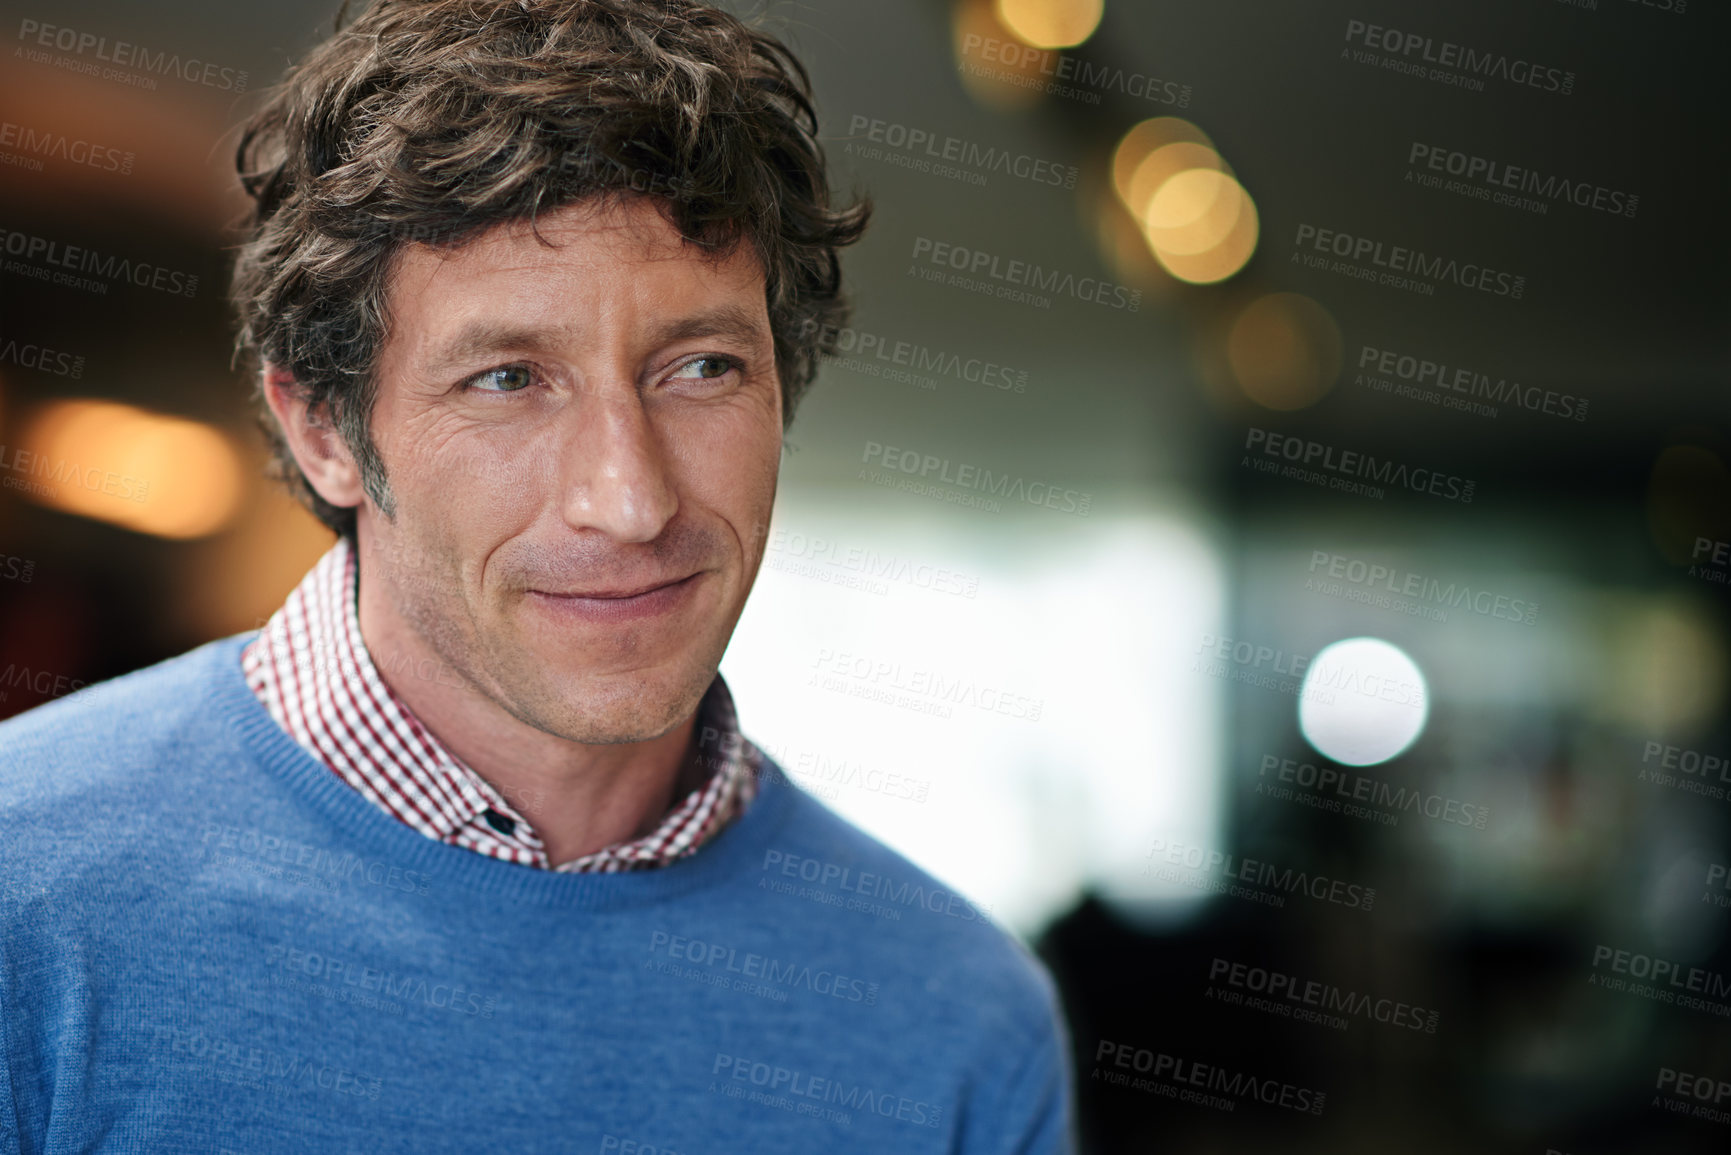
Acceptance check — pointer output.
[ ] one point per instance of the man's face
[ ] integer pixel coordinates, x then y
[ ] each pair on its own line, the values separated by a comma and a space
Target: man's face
564, 426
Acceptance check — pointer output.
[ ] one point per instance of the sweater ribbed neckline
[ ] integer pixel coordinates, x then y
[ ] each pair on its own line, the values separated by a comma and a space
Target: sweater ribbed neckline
369, 832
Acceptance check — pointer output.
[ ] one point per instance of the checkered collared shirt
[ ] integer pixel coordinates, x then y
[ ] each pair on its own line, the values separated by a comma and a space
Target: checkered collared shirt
310, 668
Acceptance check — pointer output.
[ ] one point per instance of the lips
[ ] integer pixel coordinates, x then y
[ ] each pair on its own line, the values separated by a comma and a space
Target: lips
616, 594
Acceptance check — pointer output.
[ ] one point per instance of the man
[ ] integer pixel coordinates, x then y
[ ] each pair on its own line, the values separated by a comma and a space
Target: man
464, 849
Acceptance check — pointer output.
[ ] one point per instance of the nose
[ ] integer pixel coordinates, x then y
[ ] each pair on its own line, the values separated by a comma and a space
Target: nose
615, 468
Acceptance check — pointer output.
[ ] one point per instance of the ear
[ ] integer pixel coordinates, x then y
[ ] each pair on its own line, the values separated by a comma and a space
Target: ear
317, 446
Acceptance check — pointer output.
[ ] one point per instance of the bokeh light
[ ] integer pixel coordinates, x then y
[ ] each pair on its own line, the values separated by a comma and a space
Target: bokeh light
995, 66
1192, 211
1284, 350
1229, 250
1665, 670
1051, 23
1364, 701
1178, 144
164, 476
1196, 218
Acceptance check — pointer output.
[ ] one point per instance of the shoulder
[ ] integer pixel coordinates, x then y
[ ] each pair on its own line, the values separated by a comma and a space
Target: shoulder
915, 923
112, 735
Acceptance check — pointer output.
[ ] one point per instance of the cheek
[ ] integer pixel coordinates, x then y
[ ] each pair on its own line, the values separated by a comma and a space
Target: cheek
443, 453
425, 577
468, 474
752, 501
727, 464
735, 449
455, 503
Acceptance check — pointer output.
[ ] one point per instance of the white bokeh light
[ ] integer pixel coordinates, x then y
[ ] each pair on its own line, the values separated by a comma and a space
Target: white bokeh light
1364, 701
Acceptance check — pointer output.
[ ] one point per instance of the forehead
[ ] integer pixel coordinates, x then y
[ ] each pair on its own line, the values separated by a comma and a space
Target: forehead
598, 256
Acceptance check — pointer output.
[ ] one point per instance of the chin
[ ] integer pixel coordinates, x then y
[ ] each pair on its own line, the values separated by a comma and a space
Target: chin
626, 707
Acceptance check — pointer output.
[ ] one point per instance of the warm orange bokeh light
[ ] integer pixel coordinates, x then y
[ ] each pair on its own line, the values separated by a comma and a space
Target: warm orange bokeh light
1141, 142
1193, 211
996, 67
1233, 248
165, 476
1051, 23
1196, 219
1284, 350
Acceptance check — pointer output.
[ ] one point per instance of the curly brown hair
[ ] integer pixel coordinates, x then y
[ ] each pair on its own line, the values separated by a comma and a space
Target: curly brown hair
434, 120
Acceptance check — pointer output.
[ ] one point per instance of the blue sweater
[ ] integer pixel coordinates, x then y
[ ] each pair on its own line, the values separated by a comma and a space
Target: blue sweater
209, 942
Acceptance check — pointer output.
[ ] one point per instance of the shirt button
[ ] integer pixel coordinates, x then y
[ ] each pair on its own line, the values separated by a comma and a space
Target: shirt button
499, 822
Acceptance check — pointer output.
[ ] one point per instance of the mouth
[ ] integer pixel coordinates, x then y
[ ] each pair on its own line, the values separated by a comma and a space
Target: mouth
617, 594
617, 604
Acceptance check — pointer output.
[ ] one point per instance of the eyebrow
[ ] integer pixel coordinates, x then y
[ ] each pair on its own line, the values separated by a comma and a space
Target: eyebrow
480, 338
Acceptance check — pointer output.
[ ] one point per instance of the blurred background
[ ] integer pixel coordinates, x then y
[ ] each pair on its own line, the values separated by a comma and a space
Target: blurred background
1265, 537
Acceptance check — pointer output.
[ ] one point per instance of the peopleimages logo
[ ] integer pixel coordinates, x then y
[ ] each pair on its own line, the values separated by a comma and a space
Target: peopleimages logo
41, 358
1407, 375
783, 1082
1173, 1073
1350, 463
1498, 182
347, 981
1708, 560
323, 866
763, 969
1718, 879
1398, 266
1218, 871
1661, 980
1309, 1000
1457, 64
923, 690
1658, 760
949, 156
33, 145
973, 477
1015, 279
1070, 75
82, 260
1269, 667
1376, 578
827, 775
829, 877
240, 1063
874, 354
123, 55
26, 464
1329, 787
1702, 1088
801, 553
43, 682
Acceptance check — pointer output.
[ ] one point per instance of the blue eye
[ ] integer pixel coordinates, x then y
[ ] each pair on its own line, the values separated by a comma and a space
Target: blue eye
510, 378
